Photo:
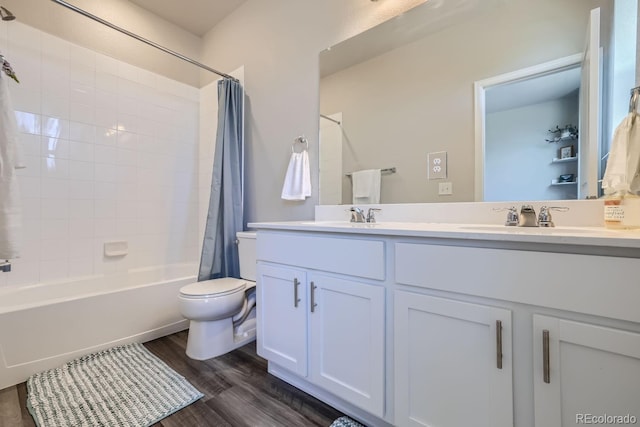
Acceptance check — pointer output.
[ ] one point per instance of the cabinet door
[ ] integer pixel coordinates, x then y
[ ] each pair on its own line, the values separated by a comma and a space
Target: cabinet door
347, 340
453, 365
282, 317
583, 370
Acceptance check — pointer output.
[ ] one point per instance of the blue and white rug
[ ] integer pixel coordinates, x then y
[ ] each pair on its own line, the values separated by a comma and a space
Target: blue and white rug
121, 386
345, 422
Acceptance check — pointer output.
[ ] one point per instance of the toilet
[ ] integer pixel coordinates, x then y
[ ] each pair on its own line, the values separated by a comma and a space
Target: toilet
222, 311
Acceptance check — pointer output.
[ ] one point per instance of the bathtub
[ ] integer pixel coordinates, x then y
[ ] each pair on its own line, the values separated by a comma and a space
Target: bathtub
45, 325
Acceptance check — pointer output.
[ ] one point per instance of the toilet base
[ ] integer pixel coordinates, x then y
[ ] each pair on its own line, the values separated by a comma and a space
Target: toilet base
214, 338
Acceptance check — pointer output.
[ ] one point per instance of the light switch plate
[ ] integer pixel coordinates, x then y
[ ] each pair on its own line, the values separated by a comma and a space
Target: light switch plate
445, 188
437, 164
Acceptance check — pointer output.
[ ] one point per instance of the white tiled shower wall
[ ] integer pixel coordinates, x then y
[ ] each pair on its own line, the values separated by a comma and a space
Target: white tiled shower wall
111, 153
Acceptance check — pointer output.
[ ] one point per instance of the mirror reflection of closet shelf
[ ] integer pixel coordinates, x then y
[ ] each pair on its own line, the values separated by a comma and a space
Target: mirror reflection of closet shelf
557, 182
565, 160
563, 138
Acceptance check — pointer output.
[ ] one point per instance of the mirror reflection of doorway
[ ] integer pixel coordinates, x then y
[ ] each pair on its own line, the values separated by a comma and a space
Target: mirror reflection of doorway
602, 99
520, 162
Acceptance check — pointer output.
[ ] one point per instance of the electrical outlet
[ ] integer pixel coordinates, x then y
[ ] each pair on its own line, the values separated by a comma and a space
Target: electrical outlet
445, 188
437, 165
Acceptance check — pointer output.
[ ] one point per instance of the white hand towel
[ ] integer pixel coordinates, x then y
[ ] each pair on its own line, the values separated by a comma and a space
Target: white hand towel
10, 159
366, 186
297, 181
621, 173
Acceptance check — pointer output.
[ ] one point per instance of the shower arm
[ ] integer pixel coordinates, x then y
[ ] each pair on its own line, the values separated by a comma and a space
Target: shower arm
142, 39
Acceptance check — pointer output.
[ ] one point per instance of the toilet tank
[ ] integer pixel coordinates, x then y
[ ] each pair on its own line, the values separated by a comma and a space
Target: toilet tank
247, 254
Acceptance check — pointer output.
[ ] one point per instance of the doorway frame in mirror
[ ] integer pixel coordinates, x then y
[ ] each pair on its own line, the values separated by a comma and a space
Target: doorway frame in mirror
481, 86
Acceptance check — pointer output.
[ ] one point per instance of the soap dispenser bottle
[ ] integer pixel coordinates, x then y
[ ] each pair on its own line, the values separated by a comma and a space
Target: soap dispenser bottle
622, 210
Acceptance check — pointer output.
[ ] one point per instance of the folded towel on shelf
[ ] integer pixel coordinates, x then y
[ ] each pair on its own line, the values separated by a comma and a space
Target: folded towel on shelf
10, 159
297, 181
366, 186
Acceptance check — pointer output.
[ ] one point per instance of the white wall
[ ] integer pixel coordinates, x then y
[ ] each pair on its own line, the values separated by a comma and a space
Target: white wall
278, 42
111, 152
69, 25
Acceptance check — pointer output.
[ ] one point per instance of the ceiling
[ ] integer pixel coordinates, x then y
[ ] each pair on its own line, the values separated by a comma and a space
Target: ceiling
533, 90
195, 16
430, 17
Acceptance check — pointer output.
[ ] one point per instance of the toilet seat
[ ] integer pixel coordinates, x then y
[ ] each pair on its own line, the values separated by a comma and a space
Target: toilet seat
213, 288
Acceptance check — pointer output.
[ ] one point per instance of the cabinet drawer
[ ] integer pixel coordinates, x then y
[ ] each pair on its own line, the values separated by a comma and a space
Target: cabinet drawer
598, 285
354, 257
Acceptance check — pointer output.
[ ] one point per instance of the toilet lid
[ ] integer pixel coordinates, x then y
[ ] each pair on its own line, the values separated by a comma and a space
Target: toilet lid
213, 287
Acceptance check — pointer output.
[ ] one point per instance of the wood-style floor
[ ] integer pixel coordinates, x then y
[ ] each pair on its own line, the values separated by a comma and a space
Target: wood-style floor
237, 390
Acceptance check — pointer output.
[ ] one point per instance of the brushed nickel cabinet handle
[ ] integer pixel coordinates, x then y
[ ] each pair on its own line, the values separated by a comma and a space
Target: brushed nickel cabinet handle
296, 300
313, 296
545, 357
499, 343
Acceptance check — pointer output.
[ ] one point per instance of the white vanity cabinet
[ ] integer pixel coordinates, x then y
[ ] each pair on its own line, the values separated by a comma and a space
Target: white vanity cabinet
282, 316
323, 326
583, 370
590, 369
453, 329
346, 340
452, 363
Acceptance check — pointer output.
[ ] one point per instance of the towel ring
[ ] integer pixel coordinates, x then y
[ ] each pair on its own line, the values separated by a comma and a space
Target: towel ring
301, 140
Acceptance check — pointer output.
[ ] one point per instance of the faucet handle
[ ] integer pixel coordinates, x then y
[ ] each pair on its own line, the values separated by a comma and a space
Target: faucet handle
512, 215
371, 214
544, 218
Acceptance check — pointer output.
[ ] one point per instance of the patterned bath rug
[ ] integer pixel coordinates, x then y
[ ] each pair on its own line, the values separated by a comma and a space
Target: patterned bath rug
121, 386
345, 422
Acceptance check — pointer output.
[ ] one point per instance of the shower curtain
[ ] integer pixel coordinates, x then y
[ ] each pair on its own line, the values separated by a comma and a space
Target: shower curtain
225, 217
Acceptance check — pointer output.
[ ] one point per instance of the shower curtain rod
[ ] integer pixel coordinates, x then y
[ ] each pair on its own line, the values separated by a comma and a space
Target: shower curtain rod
142, 39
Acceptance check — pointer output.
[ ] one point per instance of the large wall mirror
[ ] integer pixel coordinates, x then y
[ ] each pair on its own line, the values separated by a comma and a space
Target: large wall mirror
409, 87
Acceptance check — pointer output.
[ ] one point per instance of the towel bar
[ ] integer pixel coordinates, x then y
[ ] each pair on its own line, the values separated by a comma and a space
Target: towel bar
385, 171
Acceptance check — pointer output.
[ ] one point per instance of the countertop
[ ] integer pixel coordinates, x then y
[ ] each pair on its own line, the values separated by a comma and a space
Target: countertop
581, 236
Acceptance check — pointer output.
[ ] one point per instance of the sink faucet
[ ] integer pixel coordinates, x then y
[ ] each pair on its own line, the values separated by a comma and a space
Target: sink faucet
357, 214
512, 215
527, 217
371, 214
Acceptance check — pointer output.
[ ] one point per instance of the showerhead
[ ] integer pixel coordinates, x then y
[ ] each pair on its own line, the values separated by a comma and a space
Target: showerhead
6, 15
